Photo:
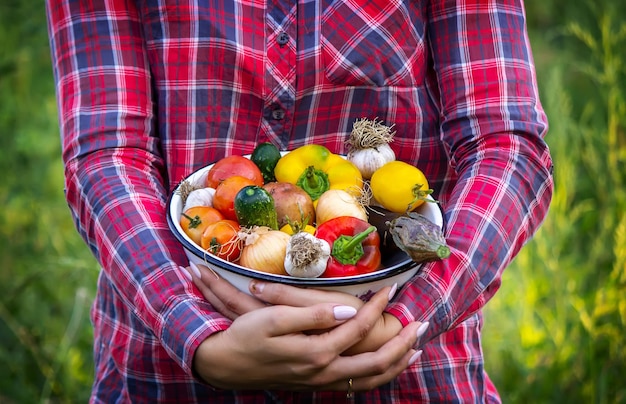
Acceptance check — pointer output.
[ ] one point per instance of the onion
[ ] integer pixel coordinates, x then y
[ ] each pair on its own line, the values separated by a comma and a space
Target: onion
264, 250
337, 202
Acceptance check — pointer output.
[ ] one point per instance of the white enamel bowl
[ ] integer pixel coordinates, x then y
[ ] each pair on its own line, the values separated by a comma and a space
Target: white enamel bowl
397, 266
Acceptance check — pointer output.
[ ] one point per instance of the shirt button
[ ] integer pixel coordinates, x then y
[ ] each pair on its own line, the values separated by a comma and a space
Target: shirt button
283, 38
278, 114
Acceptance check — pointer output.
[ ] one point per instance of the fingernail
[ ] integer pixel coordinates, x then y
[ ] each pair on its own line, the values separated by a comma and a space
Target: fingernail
393, 291
415, 357
186, 273
257, 287
422, 329
344, 312
196, 270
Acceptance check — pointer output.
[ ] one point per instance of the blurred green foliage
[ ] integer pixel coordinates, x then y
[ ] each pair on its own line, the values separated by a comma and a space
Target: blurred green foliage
555, 331
48, 277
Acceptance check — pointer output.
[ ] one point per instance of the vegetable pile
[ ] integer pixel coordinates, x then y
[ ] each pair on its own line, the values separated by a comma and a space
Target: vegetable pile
306, 213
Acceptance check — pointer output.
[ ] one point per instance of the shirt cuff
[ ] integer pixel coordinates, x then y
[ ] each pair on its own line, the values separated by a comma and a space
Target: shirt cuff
423, 299
185, 326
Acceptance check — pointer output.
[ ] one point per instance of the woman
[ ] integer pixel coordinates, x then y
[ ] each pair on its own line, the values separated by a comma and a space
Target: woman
149, 91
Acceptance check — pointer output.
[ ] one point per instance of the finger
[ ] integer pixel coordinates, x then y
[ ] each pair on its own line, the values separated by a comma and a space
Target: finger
224, 297
421, 330
371, 369
288, 321
276, 293
371, 382
355, 384
401, 345
218, 305
210, 297
354, 331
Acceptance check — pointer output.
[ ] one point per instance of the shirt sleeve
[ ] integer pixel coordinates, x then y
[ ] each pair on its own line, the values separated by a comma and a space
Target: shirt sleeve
492, 125
115, 174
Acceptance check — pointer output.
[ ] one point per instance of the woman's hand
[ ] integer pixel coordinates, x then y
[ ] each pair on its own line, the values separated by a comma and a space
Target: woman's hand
385, 328
269, 348
232, 303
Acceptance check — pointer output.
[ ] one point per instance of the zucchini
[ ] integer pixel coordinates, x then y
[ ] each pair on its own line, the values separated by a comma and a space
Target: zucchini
254, 206
266, 156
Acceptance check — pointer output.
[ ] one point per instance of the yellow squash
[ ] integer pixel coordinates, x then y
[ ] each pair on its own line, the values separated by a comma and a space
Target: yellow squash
399, 187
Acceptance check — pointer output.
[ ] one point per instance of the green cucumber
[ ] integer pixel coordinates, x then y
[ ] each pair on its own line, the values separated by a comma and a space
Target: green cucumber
254, 206
266, 156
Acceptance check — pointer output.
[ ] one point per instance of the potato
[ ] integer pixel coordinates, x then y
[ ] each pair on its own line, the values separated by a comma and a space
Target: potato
292, 203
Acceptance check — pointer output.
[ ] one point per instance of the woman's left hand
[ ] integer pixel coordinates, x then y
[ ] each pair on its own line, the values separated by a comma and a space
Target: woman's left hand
232, 303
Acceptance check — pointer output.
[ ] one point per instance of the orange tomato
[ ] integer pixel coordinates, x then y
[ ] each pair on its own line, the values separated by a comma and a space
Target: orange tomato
224, 198
196, 219
222, 240
231, 166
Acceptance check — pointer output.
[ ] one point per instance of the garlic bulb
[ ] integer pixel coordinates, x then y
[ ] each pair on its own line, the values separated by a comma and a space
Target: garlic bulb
371, 159
369, 146
306, 255
199, 197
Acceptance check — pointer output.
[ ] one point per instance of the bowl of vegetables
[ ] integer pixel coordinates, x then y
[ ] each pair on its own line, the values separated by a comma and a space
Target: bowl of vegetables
304, 217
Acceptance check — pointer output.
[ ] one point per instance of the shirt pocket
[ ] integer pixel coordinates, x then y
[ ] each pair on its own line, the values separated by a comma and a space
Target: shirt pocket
373, 43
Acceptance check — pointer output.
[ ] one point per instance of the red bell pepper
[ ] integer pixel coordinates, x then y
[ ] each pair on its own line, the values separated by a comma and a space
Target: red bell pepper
355, 246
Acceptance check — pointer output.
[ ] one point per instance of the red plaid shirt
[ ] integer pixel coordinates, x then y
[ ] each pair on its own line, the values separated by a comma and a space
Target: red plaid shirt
149, 91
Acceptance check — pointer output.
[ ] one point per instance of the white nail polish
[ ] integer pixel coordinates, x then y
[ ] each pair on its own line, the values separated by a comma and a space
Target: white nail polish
344, 312
196, 270
422, 329
186, 273
393, 291
415, 357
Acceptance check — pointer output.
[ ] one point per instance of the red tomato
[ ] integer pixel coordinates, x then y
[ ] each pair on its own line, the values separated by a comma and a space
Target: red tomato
231, 166
195, 219
224, 198
221, 239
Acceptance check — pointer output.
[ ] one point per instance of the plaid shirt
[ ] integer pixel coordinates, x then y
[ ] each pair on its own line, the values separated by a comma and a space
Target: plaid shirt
149, 91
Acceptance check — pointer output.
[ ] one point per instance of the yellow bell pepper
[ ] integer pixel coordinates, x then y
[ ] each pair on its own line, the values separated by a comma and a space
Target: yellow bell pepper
293, 229
316, 169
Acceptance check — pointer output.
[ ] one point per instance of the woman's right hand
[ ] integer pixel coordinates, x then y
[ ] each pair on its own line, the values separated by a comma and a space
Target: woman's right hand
269, 348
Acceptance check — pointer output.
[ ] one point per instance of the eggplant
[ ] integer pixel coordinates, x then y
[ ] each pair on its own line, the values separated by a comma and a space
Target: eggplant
420, 238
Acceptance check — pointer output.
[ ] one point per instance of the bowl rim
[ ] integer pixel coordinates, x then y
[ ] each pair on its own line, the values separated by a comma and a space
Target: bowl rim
213, 260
